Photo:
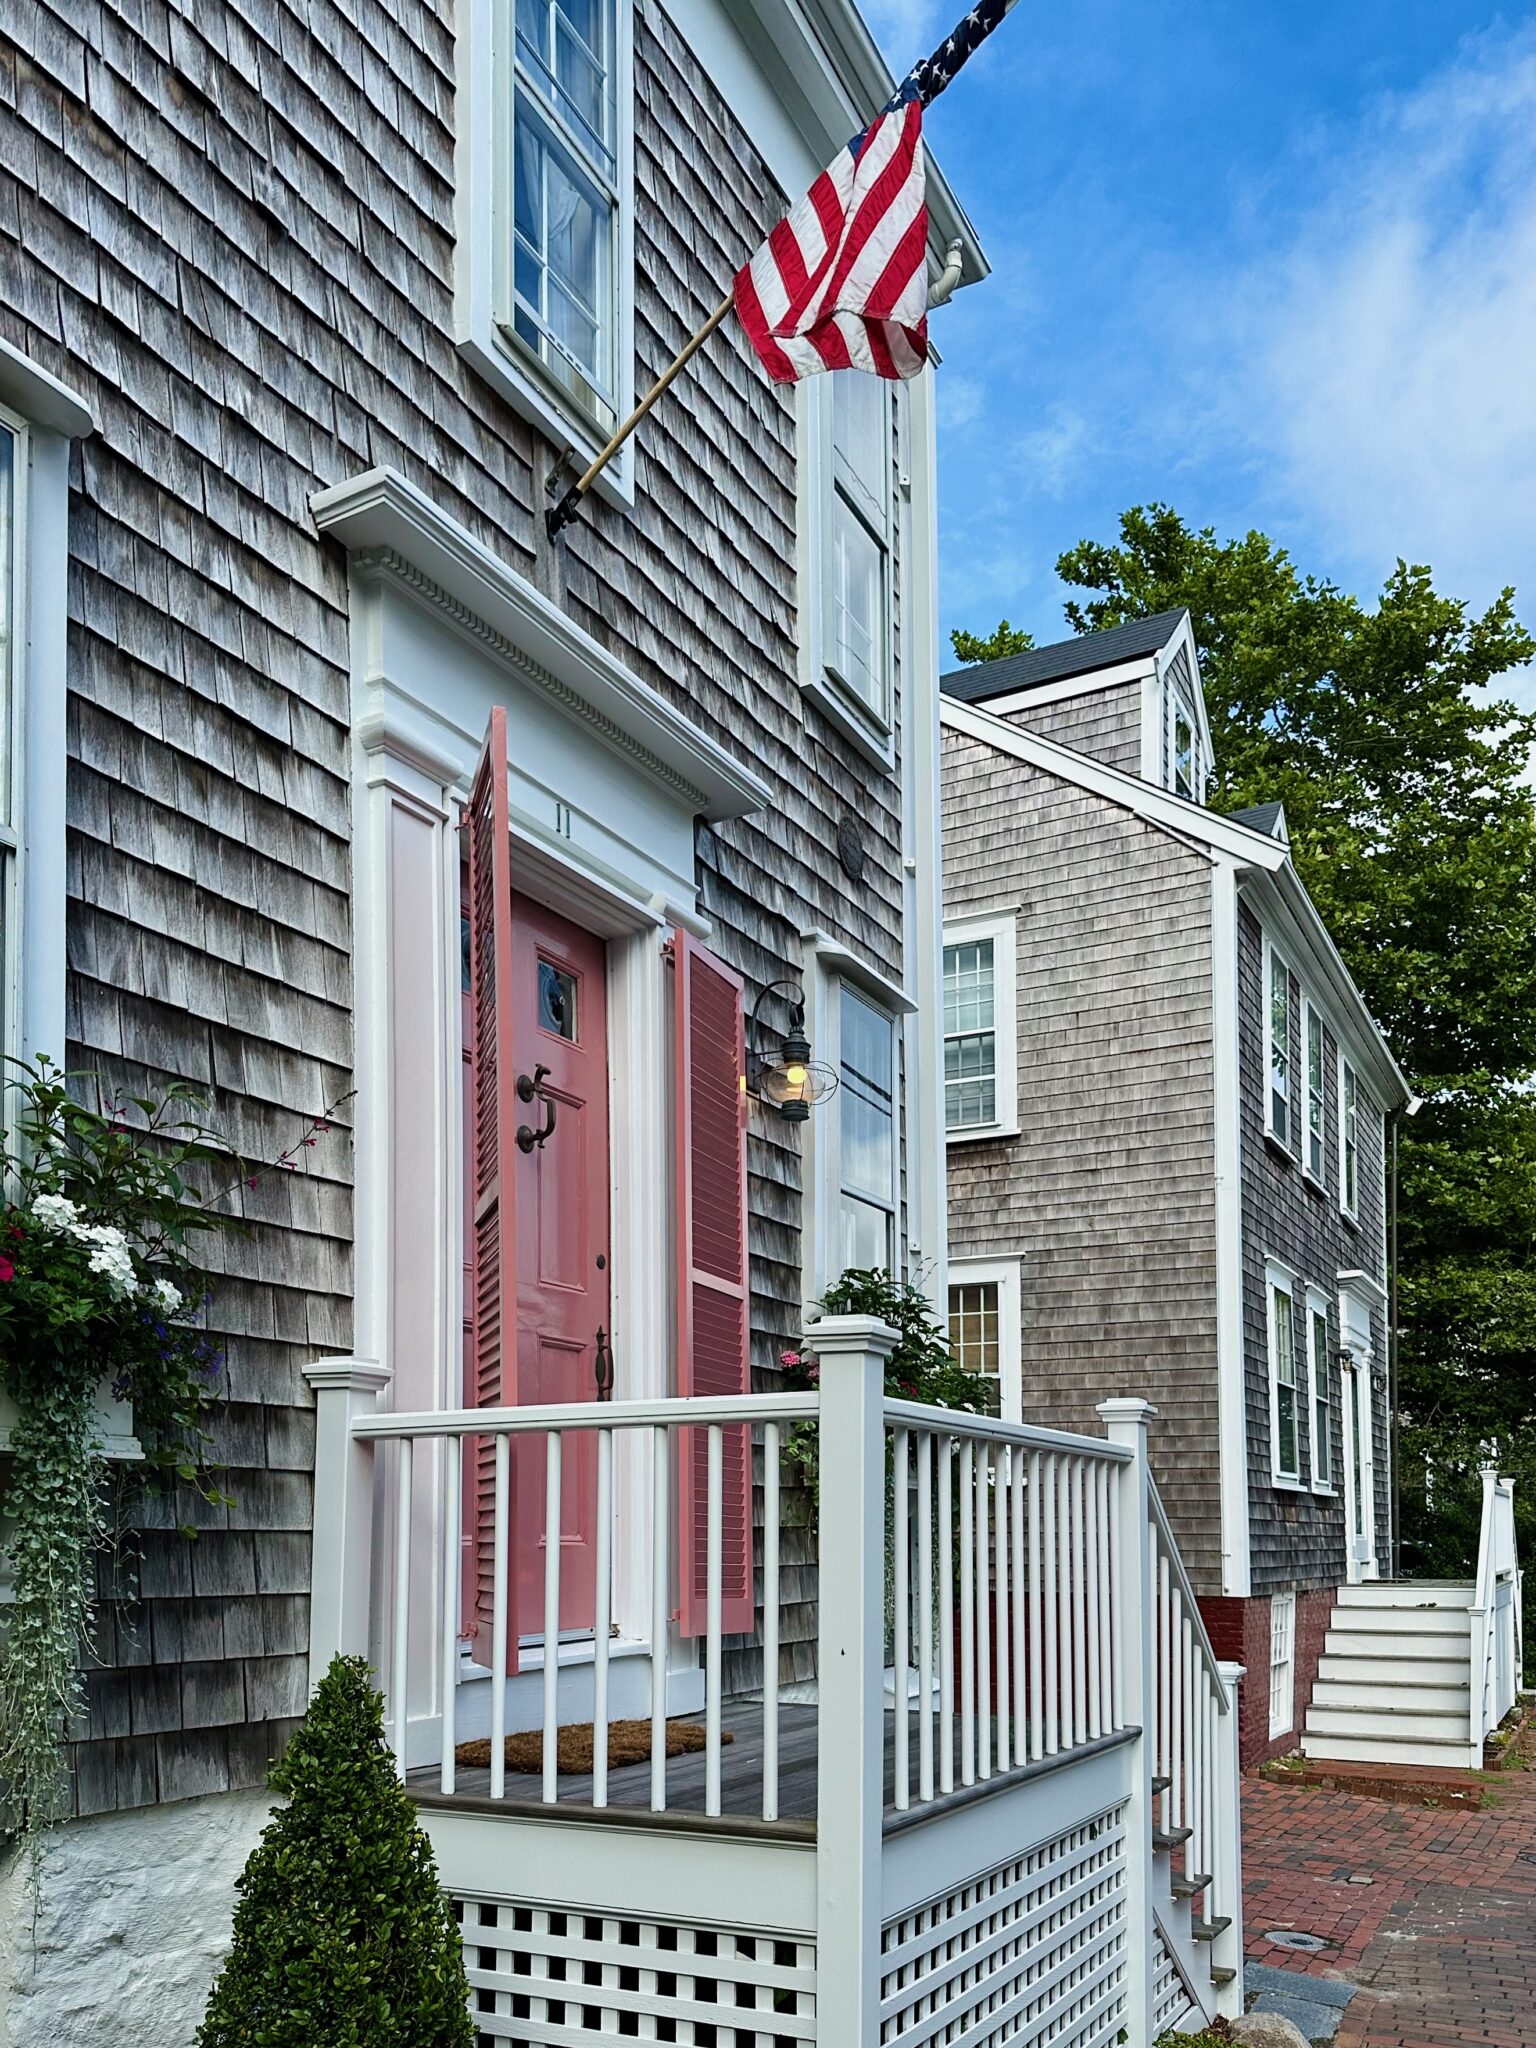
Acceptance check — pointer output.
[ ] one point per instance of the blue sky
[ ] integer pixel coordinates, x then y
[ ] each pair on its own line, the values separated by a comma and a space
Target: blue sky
1272, 263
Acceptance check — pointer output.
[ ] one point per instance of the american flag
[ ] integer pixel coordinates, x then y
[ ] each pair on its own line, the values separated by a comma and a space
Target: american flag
842, 281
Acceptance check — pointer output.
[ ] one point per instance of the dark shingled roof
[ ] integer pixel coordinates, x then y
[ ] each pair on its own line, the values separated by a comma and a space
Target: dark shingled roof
1266, 818
1065, 658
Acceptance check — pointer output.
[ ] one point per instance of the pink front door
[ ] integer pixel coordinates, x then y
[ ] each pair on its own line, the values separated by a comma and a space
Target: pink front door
561, 1169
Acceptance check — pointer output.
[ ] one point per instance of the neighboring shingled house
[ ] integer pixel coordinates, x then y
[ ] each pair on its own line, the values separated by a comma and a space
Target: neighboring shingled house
1166, 1110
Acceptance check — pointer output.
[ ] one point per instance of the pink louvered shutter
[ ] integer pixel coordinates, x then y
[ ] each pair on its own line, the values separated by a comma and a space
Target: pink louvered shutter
712, 1274
492, 1143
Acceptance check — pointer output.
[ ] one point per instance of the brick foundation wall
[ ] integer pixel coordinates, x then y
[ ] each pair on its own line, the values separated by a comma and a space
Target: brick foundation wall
1239, 1633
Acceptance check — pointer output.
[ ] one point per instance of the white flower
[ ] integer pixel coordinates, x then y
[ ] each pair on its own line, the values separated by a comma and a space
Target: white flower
168, 1295
105, 1234
55, 1212
114, 1262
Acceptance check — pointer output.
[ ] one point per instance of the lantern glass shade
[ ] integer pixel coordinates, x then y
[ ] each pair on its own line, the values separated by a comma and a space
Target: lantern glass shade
793, 1083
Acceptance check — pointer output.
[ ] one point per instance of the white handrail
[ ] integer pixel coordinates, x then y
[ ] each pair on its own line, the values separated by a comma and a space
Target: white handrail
677, 1412
961, 1422
1180, 1578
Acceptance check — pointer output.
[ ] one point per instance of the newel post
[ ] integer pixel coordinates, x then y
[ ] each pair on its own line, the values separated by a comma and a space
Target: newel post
346, 1389
1125, 1423
852, 1351
1227, 1949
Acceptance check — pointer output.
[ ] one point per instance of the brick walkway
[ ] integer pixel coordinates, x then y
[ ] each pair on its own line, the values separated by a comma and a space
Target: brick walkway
1442, 1941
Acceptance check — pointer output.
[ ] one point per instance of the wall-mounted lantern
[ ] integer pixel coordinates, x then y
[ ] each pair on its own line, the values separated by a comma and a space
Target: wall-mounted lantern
785, 1075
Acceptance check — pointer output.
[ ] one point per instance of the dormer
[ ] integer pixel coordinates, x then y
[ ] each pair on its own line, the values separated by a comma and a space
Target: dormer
1129, 697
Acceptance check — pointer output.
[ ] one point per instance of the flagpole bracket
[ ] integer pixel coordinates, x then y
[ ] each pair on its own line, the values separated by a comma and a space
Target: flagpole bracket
558, 517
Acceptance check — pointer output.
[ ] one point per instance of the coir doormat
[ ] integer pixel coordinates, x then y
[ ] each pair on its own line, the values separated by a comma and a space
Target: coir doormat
629, 1742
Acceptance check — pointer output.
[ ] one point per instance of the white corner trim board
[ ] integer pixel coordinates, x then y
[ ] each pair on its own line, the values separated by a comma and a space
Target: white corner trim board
448, 568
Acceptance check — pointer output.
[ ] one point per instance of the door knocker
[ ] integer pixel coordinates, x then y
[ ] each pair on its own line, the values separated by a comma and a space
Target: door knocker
602, 1365
530, 1088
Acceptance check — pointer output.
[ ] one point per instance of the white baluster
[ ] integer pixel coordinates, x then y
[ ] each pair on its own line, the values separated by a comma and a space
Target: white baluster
1036, 1623
945, 1451
602, 1615
714, 1564
770, 1621
501, 1600
983, 1618
1020, 1660
1165, 1687
453, 1499
400, 1655
1092, 1725
1106, 1651
553, 1447
1118, 1594
661, 1608
901, 1597
1176, 1796
1190, 1722
967, 1613
1051, 1552
1000, 1591
925, 1614
1079, 1607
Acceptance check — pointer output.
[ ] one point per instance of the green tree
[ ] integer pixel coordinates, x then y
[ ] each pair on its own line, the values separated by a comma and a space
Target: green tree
1002, 640
1402, 770
342, 1934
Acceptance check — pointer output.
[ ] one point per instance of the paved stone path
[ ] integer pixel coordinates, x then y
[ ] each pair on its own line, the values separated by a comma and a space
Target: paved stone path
1441, 1941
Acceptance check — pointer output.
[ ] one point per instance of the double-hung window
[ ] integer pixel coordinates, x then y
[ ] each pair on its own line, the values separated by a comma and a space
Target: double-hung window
12, 470
1349, 1139
1282, 1664
1183, 752
1284, 1393
1314, 1131
980, 1065
1320, 1388
866, 1110
857, 639
1277, 1047
559, 295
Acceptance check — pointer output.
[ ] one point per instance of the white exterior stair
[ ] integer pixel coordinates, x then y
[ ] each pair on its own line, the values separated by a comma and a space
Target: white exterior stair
1394, 1680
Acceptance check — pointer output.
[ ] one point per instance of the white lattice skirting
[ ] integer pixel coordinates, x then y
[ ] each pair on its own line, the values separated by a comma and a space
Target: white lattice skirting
545, 1979
1170, 2000
1029, 1951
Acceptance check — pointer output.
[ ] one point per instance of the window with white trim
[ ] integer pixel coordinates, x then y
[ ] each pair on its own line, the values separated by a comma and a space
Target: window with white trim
1284, 1392
980, 1060
558, 289
866, 1112
12, 470
1282, 1664
1349, 1139
1277, 1046
1320, 1390
1183, 752
1313, 1137
984, 1333
856, 651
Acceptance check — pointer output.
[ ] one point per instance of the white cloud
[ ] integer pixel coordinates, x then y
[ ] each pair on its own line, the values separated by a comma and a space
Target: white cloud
962, 399
1051, 456
905, 29
1378, 363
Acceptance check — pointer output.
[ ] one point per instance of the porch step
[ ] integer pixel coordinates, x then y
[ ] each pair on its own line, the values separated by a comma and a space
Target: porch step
1161, 1784
1187, 1887
1413, 1723
1417, 1594
1448, 1667
1388, 1618
1405, 1640
1207, 1930
1220, 1975
1164, 1839
1435, 1695
1390, 1749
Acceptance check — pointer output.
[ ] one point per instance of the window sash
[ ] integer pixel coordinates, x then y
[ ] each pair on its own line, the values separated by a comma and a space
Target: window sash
1349, 1139
857, 568
970, 1034
1314, 1093
975, 1333
1282, 1354
1282, 1663
866, 1133
1183, 756
1320, 1372
1278, 1041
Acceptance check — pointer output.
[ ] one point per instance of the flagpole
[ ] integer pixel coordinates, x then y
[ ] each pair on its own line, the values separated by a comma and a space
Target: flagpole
562, 514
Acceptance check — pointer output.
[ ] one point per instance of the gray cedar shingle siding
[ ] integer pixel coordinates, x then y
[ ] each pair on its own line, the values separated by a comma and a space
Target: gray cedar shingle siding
1108, 1194
1296, 1539
1103, 724
234, 231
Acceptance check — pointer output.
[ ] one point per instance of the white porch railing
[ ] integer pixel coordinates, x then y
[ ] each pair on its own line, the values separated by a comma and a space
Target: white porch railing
993, 1845
1497, 1645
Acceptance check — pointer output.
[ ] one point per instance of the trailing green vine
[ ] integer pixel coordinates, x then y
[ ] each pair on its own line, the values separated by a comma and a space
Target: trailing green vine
97, 1283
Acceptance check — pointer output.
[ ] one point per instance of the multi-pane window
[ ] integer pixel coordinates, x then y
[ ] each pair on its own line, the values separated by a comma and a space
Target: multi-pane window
1277, 1039
1183, 754
866, 1133
1282, 1663
10, 738
1283, 1389
970, 1036
857, 650
1349, 1139
975, 1335
563, 179
1320, 1375
1314, 1093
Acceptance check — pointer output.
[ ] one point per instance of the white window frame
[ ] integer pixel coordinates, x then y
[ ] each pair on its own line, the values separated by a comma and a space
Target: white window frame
13, 727
1349, 1138
1314, 1099
1005, 1276
859, 990
1176, 708
1320, 1404
1282, 1664
482, 300
1279, 1279
1273, 958
1001, 927
874, 735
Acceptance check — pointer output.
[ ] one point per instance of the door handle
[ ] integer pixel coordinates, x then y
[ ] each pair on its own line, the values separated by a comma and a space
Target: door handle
530, 1088
602, 1365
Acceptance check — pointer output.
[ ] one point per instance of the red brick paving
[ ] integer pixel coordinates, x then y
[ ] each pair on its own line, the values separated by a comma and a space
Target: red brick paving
1443, 1939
